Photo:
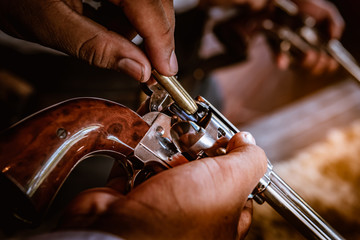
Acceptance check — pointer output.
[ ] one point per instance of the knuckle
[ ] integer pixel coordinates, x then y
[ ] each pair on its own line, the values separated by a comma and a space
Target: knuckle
332, 8
260, 156
97, 51
335, 14
164, 33
255, 154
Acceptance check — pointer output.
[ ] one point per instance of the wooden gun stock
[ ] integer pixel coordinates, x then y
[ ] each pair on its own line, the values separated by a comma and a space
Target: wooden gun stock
38, 153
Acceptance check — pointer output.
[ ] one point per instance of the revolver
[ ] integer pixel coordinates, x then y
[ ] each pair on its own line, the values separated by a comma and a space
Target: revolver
286, 30
39, 152
297, 33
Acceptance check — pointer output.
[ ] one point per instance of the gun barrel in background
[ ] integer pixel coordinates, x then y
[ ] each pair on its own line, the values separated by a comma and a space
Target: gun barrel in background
344, 58
333, 47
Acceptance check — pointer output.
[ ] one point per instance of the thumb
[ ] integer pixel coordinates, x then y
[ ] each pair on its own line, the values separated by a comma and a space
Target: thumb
245, 163
60, 27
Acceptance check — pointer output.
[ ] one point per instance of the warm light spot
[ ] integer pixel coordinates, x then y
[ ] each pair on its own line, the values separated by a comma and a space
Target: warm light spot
6, 169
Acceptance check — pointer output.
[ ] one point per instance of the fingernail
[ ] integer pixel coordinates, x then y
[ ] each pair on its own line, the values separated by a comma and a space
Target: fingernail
132, 68
248, 138
173, 63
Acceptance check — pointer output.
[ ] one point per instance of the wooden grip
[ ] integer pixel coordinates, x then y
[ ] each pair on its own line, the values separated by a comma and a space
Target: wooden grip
38, 153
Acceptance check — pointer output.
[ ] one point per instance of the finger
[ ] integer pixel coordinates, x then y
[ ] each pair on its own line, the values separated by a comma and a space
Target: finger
239, 140
244, 164
119, 177
221, 184
232, 177
87, 206
322, 11
310, 59
257, 5
58, 26
336, 22
75, 5
321, 64
333, 65
245, 220
283, 61
155, 22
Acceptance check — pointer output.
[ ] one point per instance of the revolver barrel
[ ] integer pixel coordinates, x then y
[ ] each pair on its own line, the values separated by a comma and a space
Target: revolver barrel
280, 196
344, 58
271, 188
293, 208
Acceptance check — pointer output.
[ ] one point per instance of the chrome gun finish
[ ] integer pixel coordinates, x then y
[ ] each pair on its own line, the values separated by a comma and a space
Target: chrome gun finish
155, 152
207, 132
273, 190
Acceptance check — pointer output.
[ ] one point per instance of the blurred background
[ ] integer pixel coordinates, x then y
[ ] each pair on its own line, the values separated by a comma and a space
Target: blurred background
288, 111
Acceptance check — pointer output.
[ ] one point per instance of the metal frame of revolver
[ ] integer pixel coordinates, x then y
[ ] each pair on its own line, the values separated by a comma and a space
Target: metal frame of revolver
183, 128
174, 132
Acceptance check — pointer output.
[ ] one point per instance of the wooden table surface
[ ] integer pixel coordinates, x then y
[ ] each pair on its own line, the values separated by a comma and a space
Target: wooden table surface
297, 125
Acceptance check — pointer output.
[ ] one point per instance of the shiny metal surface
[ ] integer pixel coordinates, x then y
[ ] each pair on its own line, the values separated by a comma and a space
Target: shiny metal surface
177, 92
197, 140
156, 146
273, 190
38, 153
344, 58
192, 139
53, 161
293, 208
159, 98
288, 6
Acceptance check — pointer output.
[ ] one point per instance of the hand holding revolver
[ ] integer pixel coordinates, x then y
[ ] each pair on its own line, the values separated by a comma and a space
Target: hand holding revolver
204, 199
253, 17
324, 14
220, 202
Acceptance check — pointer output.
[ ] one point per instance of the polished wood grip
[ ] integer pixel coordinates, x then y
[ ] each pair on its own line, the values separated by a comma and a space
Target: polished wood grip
38, 153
